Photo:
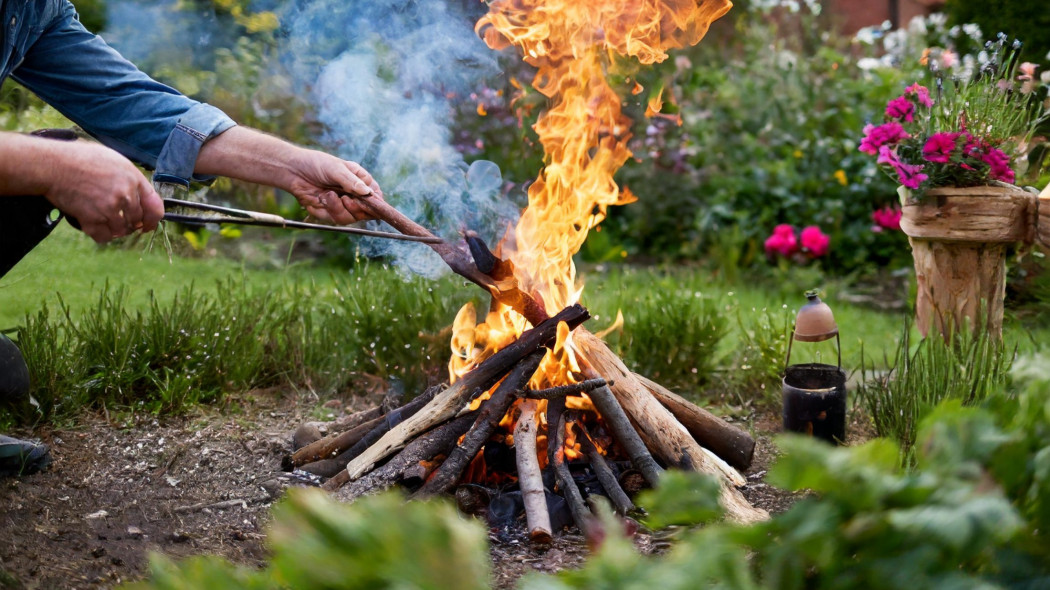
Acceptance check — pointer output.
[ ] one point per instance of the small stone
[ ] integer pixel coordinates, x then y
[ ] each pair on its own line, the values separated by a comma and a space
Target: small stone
135, 532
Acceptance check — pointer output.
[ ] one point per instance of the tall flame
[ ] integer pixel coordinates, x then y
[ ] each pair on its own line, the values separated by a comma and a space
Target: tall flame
584, 132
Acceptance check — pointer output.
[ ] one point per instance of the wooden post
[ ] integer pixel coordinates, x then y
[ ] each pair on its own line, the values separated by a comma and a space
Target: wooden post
959, 238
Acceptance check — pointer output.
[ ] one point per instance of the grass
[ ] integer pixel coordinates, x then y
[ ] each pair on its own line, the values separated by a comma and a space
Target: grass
128, 328
968, 369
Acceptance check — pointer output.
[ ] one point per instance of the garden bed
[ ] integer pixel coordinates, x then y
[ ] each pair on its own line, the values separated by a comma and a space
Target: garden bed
120, 489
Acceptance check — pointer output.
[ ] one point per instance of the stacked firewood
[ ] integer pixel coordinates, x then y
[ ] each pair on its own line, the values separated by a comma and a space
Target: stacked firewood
427, 444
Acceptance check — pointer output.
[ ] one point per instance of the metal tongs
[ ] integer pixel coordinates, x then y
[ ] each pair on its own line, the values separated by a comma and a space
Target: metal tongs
227, 215
458, 259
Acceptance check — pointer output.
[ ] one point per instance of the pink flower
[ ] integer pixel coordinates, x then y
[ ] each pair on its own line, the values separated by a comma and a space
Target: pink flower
921, 93
939, 147
901, 109
875, 137
782, 241
887, 156
815, 241
910, 175
1027, 70
948, 59
887, 218
998, 165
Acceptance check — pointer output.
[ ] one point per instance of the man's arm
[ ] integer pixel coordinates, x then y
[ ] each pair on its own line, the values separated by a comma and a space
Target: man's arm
104, 191
324, 184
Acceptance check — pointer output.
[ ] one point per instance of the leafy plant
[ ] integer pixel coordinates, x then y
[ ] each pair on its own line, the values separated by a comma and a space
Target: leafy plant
320, 543
975, 127
922, 376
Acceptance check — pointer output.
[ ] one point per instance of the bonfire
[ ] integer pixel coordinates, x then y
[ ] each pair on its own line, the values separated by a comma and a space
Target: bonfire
528, 381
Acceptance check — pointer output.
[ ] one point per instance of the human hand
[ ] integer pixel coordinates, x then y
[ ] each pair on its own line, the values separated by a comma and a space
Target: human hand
330, 188
102, 190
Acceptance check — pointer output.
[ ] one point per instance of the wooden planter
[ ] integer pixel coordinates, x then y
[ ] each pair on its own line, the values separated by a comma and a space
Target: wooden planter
959, 238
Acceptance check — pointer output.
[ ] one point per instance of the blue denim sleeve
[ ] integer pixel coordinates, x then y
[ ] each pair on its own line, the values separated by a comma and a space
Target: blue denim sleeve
89, 82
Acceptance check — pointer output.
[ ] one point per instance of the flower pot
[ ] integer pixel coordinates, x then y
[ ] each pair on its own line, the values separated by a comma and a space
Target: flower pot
959, 238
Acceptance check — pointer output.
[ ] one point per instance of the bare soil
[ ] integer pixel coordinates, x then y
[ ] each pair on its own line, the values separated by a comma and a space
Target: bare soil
121, 489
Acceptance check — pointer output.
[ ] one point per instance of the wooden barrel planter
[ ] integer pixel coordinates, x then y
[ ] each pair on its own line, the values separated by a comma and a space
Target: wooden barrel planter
959, 239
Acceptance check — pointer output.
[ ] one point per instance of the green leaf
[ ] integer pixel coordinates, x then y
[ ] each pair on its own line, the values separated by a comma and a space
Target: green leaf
682, 498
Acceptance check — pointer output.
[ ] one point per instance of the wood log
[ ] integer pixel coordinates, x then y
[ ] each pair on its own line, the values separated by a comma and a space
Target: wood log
452, 400
617, 496
569, 490
671, 442
347, 445
990, 214
624, 432
959, 286
563, 391
530, 482
390, 420
732, 444
424, 447
488, 418
330, 446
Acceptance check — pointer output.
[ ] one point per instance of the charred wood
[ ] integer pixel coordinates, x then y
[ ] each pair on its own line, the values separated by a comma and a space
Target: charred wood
566, 484
453, 399
489, 417
565, 390
616, 494
625, 434
425, 447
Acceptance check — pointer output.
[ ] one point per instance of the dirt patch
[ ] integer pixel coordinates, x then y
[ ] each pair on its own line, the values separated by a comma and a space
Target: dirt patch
119, 491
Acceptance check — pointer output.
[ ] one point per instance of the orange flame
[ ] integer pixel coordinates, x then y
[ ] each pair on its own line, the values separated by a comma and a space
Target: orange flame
584, 133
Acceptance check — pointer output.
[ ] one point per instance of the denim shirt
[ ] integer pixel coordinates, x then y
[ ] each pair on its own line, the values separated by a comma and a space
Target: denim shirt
45, 48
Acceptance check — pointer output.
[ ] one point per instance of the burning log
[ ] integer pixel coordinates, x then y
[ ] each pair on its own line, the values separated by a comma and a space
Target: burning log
426, 447
617, 496
359, 438
669, 440
529, 480
626, 435
581, 516
566, 390
489, 417
452, 400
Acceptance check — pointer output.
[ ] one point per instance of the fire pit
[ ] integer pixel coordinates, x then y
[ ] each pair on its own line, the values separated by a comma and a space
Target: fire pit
533, 400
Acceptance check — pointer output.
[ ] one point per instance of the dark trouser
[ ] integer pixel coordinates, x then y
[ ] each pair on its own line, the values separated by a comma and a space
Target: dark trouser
27, 220
25, 223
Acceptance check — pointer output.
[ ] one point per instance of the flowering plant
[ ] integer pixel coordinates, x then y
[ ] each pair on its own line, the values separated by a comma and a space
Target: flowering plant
811, 242
970, 130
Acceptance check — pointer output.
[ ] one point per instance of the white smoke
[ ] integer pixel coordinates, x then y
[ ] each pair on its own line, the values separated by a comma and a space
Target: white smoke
385, 78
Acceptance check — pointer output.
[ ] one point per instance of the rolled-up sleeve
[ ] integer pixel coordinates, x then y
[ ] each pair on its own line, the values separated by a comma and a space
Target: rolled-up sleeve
89, 82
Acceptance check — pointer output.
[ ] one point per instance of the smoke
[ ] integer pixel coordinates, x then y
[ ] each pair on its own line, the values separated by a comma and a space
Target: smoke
385, 78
